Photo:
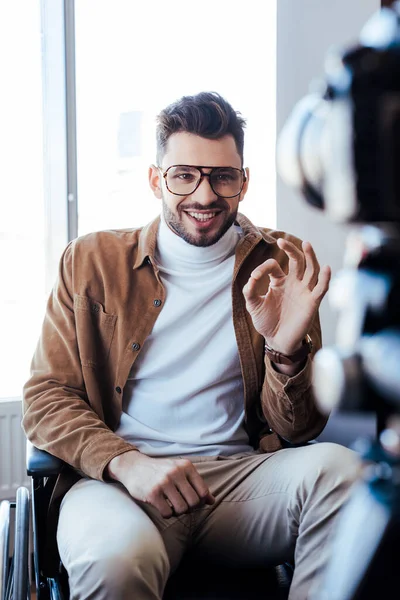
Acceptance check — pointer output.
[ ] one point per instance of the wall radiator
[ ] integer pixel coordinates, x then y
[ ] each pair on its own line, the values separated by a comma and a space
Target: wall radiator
12, 450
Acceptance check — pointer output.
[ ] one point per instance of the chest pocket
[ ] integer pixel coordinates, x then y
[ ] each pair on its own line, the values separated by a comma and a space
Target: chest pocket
95, 330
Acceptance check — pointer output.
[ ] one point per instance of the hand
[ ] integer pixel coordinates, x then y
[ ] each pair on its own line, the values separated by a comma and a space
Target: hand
284, 314
173, 486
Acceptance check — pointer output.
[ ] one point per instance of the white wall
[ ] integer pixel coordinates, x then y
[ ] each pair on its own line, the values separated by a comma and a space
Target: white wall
309, 28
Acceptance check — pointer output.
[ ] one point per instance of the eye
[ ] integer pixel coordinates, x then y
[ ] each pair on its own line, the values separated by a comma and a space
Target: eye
182, 174
185, 176
227, 176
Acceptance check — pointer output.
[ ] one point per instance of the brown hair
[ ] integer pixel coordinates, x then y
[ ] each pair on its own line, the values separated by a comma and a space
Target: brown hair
206, 114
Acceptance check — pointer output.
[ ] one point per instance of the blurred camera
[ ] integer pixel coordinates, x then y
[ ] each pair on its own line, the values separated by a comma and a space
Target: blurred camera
341, 145
340, 148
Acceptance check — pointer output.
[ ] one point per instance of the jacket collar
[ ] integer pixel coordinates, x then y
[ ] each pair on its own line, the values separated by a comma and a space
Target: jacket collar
253, 233
147, 242
148, 238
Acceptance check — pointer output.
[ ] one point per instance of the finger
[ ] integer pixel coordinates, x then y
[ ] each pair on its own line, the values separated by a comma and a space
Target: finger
200, 485
190, 495
210, 499
163, 505
323, 283
269, 268
296, 257
312, 266
179, 504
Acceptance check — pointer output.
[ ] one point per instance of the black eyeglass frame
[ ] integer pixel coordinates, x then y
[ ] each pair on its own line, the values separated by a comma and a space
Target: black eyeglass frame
242, 171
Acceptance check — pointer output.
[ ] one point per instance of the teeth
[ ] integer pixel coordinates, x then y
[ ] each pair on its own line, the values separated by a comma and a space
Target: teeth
202, 216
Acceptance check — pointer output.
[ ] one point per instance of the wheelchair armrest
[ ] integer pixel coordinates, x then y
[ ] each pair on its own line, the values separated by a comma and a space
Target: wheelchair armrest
40, 463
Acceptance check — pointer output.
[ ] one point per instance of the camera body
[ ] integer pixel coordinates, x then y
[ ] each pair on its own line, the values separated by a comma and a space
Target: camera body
341, 145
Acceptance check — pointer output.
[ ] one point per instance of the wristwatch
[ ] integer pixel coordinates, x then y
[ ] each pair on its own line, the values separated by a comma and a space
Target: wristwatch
284, 359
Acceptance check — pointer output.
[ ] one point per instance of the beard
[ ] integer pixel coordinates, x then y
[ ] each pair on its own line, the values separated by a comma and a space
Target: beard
202, 239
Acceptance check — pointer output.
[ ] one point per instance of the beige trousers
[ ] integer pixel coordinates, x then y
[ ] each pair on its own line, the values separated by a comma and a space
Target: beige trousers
270, 508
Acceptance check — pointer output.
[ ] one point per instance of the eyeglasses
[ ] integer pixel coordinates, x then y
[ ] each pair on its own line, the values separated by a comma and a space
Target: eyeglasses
183, 180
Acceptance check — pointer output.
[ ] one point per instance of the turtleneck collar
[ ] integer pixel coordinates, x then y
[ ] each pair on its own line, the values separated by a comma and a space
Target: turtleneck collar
173, 251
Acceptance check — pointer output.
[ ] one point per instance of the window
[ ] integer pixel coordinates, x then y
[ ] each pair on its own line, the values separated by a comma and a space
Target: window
22, 212
135, 58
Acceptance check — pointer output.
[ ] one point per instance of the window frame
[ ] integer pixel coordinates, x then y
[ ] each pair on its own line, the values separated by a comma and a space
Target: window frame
59, 134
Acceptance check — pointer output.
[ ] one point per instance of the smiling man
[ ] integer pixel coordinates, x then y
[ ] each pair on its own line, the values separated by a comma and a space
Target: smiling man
174, 375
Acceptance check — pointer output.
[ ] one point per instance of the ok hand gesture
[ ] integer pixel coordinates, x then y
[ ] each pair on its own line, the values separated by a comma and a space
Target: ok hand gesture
284, 314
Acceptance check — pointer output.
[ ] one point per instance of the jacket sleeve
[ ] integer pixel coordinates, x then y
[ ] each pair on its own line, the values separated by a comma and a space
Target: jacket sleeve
57, 416
288, 403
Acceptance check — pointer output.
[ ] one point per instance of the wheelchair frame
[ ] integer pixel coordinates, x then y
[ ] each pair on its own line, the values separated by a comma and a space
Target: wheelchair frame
43, 468
14, 562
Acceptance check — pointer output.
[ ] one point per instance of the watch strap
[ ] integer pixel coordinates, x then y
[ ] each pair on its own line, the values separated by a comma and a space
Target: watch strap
284, 359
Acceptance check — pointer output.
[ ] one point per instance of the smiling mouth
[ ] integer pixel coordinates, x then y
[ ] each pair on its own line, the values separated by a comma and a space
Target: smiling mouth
202, 217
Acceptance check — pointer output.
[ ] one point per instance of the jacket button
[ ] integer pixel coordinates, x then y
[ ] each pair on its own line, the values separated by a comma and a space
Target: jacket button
157, 302
118, 389
135, 346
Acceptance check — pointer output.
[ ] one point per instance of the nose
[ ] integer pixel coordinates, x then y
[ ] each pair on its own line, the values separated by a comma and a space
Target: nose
204, 193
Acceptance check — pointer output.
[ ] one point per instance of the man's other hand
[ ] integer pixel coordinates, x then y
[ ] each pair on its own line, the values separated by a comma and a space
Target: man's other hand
284, 314
172, 485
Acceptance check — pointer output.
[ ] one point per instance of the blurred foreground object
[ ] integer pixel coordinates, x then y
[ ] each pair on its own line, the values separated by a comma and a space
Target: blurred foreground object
340, 148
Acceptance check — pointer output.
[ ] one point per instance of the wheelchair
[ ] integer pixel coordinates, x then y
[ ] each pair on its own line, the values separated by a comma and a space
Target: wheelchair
14, 547
189, 582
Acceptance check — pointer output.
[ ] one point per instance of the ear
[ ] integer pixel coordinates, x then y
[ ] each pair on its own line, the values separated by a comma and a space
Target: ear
246, 184
155, 178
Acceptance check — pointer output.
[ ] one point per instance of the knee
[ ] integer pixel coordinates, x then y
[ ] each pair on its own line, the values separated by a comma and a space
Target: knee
334, 466
145, 574
121, 575
335, 458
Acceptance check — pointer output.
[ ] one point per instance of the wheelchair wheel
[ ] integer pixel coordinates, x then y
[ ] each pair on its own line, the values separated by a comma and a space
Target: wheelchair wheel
5, 510
21, 549
14, 574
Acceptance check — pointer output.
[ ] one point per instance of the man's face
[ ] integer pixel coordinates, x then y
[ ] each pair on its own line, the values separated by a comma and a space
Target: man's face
202, 217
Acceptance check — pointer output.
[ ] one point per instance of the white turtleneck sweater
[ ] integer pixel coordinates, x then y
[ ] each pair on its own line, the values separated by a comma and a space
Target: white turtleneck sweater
184, 394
